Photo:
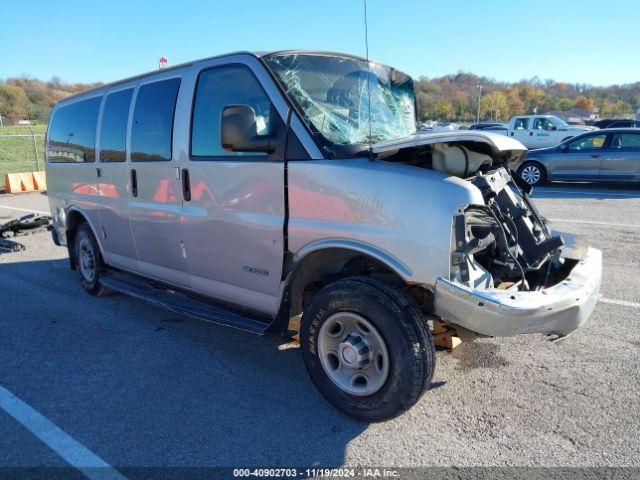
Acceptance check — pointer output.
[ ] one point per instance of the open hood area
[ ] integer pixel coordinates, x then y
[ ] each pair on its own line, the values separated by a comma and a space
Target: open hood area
460, 153
499, 144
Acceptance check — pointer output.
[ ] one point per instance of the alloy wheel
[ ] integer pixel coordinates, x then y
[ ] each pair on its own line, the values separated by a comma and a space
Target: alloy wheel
531, 174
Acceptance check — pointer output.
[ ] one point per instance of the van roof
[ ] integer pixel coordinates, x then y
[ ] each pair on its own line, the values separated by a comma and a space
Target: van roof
188, 64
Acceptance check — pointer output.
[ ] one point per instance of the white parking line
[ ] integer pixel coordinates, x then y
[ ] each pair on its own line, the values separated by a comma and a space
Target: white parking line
591, 222
624, 303
589, 193
24, 210
74, 453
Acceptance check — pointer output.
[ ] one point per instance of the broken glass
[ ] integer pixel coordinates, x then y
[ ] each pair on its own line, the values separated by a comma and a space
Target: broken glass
346, 100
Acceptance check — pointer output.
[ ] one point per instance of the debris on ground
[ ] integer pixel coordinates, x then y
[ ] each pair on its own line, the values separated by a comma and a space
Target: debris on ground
25, 225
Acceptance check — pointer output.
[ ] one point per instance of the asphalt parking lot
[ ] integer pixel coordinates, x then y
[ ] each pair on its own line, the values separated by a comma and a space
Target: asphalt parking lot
141, 387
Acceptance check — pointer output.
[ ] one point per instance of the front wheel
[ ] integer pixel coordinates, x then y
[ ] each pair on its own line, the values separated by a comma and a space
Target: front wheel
367, 348
533, 173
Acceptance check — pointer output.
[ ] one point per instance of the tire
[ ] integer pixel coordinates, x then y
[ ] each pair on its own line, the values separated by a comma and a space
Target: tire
88, 261
406, 352
533, 173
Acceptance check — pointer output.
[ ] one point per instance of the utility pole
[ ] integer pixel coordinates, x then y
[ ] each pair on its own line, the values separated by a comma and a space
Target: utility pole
479, 98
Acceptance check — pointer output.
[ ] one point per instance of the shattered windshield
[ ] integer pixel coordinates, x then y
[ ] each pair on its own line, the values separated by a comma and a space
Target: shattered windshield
337, 95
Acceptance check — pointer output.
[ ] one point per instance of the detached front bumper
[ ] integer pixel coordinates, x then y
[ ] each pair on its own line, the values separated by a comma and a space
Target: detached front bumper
559, 309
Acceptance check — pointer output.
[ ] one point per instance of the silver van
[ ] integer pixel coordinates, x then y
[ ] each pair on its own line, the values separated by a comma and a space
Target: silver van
250, 189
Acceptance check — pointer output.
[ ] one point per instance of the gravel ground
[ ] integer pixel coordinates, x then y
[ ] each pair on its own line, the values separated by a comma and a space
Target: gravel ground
142, 387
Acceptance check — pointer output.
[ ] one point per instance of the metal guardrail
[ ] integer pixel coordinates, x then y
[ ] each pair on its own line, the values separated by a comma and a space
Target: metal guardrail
21, 149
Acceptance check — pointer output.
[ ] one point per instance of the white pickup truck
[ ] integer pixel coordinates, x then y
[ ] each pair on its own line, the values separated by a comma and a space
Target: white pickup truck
541, 131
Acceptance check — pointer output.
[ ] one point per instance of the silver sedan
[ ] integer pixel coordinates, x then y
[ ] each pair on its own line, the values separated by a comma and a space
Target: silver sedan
610, 155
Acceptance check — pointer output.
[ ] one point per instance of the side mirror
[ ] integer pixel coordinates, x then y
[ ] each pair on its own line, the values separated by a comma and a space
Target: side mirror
553, 128
564, 148
238, 131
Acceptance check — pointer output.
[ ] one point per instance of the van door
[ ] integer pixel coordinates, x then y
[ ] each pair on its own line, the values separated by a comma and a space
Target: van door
521, 130
155, 196
234, 211
113, 181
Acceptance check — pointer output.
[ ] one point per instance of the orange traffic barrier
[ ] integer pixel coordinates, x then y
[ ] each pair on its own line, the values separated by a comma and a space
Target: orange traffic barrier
19, 182
40, 180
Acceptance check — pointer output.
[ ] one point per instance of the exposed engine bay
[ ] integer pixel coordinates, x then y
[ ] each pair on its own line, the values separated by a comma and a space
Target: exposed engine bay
504, 243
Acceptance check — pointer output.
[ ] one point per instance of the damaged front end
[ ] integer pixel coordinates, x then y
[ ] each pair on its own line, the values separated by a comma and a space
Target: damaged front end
504, 243
509, 273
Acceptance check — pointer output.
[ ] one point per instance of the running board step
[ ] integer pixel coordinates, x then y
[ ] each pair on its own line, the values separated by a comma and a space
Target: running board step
181, 303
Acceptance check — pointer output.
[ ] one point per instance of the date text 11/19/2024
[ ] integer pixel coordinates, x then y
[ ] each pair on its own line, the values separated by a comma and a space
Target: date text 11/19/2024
316, 472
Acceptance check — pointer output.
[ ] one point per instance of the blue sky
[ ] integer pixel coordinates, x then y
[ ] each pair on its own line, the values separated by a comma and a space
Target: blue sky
585, 41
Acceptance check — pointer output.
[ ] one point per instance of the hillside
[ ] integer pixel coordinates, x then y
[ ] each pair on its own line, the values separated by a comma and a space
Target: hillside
451, 97
30, 98
455, 97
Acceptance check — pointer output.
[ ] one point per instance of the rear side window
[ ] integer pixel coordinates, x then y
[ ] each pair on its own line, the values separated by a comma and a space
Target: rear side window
152, 127
113, 131
72, 133
626, 140
218, 88
521, 124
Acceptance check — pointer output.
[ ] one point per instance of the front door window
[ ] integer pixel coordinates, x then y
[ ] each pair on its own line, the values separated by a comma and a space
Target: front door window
592, 142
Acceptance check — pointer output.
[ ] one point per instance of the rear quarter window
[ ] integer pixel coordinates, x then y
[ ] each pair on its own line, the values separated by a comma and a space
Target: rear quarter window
72, 133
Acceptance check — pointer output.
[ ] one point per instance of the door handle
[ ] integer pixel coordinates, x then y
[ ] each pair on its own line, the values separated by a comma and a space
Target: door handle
186, 185
98, 172
134, 183
595, 155
531, 134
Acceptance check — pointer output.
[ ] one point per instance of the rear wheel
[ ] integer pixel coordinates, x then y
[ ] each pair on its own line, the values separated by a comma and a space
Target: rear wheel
88, 261
367, 348
533, 173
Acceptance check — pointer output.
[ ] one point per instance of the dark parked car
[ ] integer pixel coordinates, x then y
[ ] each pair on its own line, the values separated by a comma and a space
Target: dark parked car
617, 123
611, 155
487, 126
625, 124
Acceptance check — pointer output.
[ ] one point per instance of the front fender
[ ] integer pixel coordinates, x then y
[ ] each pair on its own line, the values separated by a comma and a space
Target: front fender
364, 248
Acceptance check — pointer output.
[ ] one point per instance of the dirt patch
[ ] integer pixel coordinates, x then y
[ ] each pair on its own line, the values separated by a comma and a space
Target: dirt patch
478, 354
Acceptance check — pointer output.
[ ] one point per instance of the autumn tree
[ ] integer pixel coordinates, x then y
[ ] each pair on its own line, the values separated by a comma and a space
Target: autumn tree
585, 103
495, 106
13, 101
